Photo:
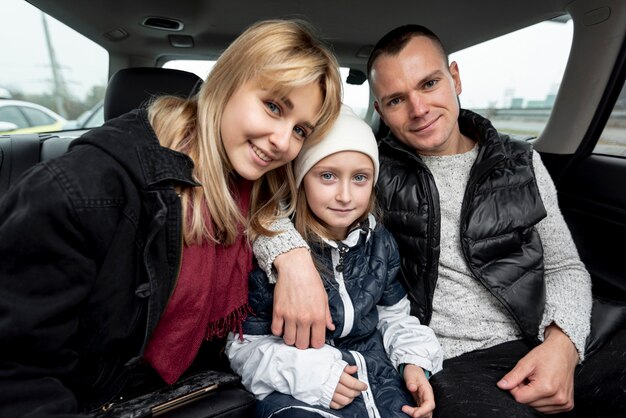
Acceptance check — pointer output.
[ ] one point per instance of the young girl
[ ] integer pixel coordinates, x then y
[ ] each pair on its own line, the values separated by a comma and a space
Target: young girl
120, 258
355, 373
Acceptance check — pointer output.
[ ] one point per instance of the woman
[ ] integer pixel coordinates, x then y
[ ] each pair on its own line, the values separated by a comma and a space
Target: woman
129, 251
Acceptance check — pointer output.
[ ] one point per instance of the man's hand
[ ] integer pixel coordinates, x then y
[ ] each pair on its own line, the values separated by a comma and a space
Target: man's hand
301, 313
419, 386
348, 388
544, 378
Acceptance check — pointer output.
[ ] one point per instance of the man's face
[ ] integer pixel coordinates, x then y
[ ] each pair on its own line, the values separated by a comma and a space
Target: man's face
416, 96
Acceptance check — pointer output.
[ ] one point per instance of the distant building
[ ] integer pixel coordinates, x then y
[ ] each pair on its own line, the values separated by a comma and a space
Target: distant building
535, 104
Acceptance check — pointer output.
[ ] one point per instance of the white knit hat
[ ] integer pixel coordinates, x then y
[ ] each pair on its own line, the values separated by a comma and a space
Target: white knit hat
348, 133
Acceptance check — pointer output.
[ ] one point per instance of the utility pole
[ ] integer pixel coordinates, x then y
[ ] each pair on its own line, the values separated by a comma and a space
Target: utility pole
59, 91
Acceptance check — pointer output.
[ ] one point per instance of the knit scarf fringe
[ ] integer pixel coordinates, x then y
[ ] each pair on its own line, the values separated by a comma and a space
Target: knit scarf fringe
231, 322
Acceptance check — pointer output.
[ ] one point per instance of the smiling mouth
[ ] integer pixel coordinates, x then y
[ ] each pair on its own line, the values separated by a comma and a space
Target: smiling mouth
260, 154
423, 127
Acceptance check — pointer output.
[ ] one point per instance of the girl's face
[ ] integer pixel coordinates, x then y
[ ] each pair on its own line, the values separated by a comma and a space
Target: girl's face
338, 189
262, 131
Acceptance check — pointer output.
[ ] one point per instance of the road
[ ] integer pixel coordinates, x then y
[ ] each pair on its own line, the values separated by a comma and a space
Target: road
612, 141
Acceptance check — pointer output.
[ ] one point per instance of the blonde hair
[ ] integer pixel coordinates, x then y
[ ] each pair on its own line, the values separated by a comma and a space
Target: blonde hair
281, 55
313, 229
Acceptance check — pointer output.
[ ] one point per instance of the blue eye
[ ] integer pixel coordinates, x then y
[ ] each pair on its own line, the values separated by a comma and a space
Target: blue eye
273, 107
430, 83
393, 102
360, 178
327, 176
301, 132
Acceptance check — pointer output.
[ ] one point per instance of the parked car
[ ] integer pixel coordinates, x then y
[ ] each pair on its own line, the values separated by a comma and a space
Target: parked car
578, 125
17, 116
91, 118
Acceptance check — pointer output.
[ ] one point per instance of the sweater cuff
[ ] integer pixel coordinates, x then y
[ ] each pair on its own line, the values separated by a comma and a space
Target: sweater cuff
427, 373
575, 334
425, 364
266, 249
328, 389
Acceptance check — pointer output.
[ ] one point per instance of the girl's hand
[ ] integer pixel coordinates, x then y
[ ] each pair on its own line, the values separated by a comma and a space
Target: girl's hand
348, 388
418, 385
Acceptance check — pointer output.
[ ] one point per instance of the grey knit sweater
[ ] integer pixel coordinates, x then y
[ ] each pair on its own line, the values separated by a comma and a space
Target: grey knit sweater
466, 316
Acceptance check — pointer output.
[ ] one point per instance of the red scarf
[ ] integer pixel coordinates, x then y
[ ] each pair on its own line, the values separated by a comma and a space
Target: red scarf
210, 299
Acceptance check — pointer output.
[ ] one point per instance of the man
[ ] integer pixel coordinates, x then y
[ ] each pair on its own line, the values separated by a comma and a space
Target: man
487, 258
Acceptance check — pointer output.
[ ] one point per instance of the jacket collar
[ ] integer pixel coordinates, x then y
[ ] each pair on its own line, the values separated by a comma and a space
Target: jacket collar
364, 229
131, 141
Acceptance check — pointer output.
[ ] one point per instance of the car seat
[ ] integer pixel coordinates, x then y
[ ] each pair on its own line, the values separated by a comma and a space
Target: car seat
130, 88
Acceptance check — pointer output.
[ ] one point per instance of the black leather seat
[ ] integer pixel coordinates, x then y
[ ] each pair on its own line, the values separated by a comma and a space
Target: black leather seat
131, 88
21, 151
128, 89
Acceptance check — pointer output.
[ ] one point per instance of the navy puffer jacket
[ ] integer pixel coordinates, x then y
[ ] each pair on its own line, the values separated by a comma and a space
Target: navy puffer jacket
360, 277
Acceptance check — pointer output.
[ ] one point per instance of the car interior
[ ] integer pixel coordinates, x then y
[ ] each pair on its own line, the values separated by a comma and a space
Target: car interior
140, 36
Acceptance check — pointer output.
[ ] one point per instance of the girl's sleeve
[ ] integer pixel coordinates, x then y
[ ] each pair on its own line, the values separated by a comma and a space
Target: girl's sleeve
266, 364
406, 340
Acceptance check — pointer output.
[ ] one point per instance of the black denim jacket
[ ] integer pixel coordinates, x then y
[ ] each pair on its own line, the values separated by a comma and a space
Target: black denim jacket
90, 247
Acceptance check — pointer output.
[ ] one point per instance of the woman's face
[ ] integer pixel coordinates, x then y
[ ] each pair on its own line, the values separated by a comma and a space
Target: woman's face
262, 131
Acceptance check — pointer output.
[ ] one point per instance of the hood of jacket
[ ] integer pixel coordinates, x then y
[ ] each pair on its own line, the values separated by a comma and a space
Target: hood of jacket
131, 141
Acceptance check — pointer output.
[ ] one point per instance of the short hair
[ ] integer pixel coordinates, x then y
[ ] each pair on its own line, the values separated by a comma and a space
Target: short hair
396, 39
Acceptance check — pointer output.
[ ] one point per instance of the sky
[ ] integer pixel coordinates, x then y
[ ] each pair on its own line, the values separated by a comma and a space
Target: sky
24, 60
530, 61
527, 63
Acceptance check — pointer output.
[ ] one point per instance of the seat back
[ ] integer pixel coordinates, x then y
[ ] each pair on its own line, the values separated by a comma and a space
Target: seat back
128, 89
379, 127
19, 152
131, 88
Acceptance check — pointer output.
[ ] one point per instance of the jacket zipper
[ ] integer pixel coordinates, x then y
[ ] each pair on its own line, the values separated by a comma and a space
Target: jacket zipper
367, 394
464, 217
348, 307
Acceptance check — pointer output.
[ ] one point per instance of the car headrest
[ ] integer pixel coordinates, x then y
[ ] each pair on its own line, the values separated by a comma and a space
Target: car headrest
378, 127
131, 88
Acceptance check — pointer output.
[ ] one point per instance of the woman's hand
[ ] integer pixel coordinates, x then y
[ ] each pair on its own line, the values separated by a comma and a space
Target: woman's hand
348, 388
300, 313
419, 386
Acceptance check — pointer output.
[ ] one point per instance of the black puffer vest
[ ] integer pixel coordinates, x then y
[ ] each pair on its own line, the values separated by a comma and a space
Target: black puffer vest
500, 208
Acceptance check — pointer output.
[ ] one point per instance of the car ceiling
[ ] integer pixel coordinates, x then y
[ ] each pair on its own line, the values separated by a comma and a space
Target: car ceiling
351, 26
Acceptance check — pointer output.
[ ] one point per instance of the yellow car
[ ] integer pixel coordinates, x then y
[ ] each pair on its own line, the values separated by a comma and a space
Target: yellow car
21, 117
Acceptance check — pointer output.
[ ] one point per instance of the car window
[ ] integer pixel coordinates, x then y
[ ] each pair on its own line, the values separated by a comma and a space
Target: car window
96, 118
37, 117
613, 138
513, 79
51, 65
13, 115
354, 95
